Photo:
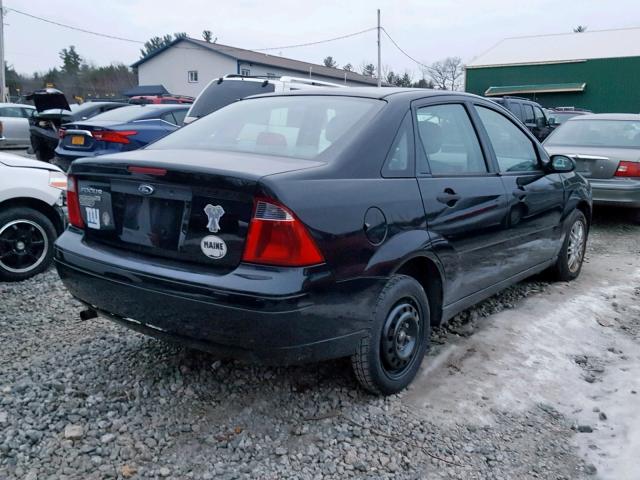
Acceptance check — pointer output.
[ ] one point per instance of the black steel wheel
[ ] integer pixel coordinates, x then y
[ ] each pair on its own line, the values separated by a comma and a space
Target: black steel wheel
26, 243
389, 356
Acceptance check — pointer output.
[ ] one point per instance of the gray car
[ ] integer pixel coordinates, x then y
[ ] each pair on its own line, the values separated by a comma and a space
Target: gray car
606, 149
14, 124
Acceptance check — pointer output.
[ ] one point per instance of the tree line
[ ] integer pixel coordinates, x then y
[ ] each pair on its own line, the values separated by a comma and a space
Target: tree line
444, 74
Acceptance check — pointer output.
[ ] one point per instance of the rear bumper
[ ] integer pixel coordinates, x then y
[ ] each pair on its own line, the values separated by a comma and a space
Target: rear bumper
259, 314
616, 192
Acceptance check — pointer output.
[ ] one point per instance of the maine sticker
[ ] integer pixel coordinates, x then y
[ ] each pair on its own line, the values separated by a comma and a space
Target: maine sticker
213, 247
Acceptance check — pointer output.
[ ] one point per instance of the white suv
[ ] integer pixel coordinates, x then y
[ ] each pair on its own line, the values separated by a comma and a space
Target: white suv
32, 198
222, 91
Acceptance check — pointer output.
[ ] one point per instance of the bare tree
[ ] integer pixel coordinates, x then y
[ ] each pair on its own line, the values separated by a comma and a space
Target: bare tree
208, 36
446, 74
580, 29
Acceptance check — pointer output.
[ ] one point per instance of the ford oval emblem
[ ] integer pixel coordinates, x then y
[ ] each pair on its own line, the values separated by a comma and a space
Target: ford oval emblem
146, 189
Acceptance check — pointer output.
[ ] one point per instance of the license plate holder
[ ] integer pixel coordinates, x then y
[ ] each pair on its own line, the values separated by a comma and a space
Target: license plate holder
77, 140
95, 205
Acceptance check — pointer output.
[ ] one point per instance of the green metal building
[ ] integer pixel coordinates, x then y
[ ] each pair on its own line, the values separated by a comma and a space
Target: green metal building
598, 70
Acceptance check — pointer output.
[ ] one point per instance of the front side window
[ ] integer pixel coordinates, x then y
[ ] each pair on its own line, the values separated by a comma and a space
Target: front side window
192, 76
527, 110
449, 141
514, 150
287, 126
539, 115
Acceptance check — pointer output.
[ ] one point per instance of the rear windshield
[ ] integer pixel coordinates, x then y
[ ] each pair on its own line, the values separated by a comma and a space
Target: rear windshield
597, 133
123, 114
218, 95
289, 126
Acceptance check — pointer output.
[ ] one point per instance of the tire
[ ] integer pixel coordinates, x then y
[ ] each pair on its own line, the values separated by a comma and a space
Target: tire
385, 363
26, 243
571, 256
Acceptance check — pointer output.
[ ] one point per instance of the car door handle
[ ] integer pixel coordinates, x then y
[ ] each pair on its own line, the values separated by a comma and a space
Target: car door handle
448, 197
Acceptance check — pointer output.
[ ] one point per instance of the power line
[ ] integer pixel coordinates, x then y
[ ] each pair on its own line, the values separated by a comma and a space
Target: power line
113, 37
316, 43
399, 48
140, 42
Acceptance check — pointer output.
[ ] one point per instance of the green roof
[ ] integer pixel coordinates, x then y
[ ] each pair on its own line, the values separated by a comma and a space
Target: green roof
542, 88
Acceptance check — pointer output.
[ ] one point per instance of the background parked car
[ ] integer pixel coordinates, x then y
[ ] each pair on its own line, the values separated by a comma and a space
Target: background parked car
222, 91
528, 112
14, 124
341, 222
160, 99
558, 115
52, 111
127, 128
606, 149
31, 215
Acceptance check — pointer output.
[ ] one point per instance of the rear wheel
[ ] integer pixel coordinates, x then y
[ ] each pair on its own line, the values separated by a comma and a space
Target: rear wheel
571, 256
26, 243
389, 357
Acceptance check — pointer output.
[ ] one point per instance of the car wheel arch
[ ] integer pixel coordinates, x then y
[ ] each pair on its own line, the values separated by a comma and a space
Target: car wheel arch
37, 205
428, 272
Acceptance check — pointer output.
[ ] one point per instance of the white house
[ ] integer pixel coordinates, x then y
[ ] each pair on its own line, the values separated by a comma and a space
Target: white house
185, 66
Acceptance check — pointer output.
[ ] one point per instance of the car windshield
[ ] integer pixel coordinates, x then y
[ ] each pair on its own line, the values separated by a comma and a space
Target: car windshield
122, 114
291, 126
598, 133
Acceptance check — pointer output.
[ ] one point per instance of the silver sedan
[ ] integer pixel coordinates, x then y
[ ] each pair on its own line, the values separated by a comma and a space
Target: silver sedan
14, 124
606, 149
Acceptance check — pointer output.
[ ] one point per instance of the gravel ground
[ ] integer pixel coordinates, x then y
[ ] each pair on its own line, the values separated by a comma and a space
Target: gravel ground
93, 400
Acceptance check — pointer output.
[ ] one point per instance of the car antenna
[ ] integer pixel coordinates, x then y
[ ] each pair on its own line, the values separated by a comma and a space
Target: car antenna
265, 83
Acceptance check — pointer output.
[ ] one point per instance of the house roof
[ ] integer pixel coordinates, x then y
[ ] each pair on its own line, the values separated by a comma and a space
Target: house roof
251, 56
562, 48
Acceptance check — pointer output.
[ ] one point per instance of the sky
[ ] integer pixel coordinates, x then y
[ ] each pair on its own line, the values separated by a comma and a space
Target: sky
428, 30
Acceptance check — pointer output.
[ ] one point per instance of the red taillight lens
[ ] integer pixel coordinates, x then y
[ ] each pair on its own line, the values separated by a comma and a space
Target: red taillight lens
277, 237
628, 169
61, 133
73, 205
113, 136
148, 170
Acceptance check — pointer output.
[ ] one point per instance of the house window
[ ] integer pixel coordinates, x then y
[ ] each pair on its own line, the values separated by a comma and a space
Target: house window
271, 75
192, 76
245, 72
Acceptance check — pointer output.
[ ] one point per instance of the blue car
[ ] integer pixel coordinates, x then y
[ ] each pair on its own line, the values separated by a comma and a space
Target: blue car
120, 130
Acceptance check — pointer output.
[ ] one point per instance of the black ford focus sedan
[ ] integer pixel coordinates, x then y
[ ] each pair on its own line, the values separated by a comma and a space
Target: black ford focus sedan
306, 226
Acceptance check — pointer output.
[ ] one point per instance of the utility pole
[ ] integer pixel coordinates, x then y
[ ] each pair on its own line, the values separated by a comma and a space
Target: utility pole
3, 85
379, 53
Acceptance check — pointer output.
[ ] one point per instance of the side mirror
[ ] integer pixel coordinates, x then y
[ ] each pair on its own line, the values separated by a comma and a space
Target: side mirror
552, 121
562, 164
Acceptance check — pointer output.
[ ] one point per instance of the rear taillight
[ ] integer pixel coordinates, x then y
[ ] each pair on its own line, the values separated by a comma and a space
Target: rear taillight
277, 237
628, 169
73, 205
1, 128
113, 136
61, 133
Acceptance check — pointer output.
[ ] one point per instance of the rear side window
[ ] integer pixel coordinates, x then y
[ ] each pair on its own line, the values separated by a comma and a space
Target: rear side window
527, 110
514, 150
288, 126
399, 162
516, 109
218, 95
449, 141
15, 112
179, 116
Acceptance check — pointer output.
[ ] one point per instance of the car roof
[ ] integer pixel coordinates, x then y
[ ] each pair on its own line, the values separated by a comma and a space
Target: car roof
606, 116
387, 93
16, 105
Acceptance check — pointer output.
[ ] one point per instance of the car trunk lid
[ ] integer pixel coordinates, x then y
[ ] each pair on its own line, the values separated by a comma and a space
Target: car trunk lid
596, 162
189, 206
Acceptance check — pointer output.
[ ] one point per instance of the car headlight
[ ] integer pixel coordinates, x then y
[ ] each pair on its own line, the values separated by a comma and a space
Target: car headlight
58, 180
